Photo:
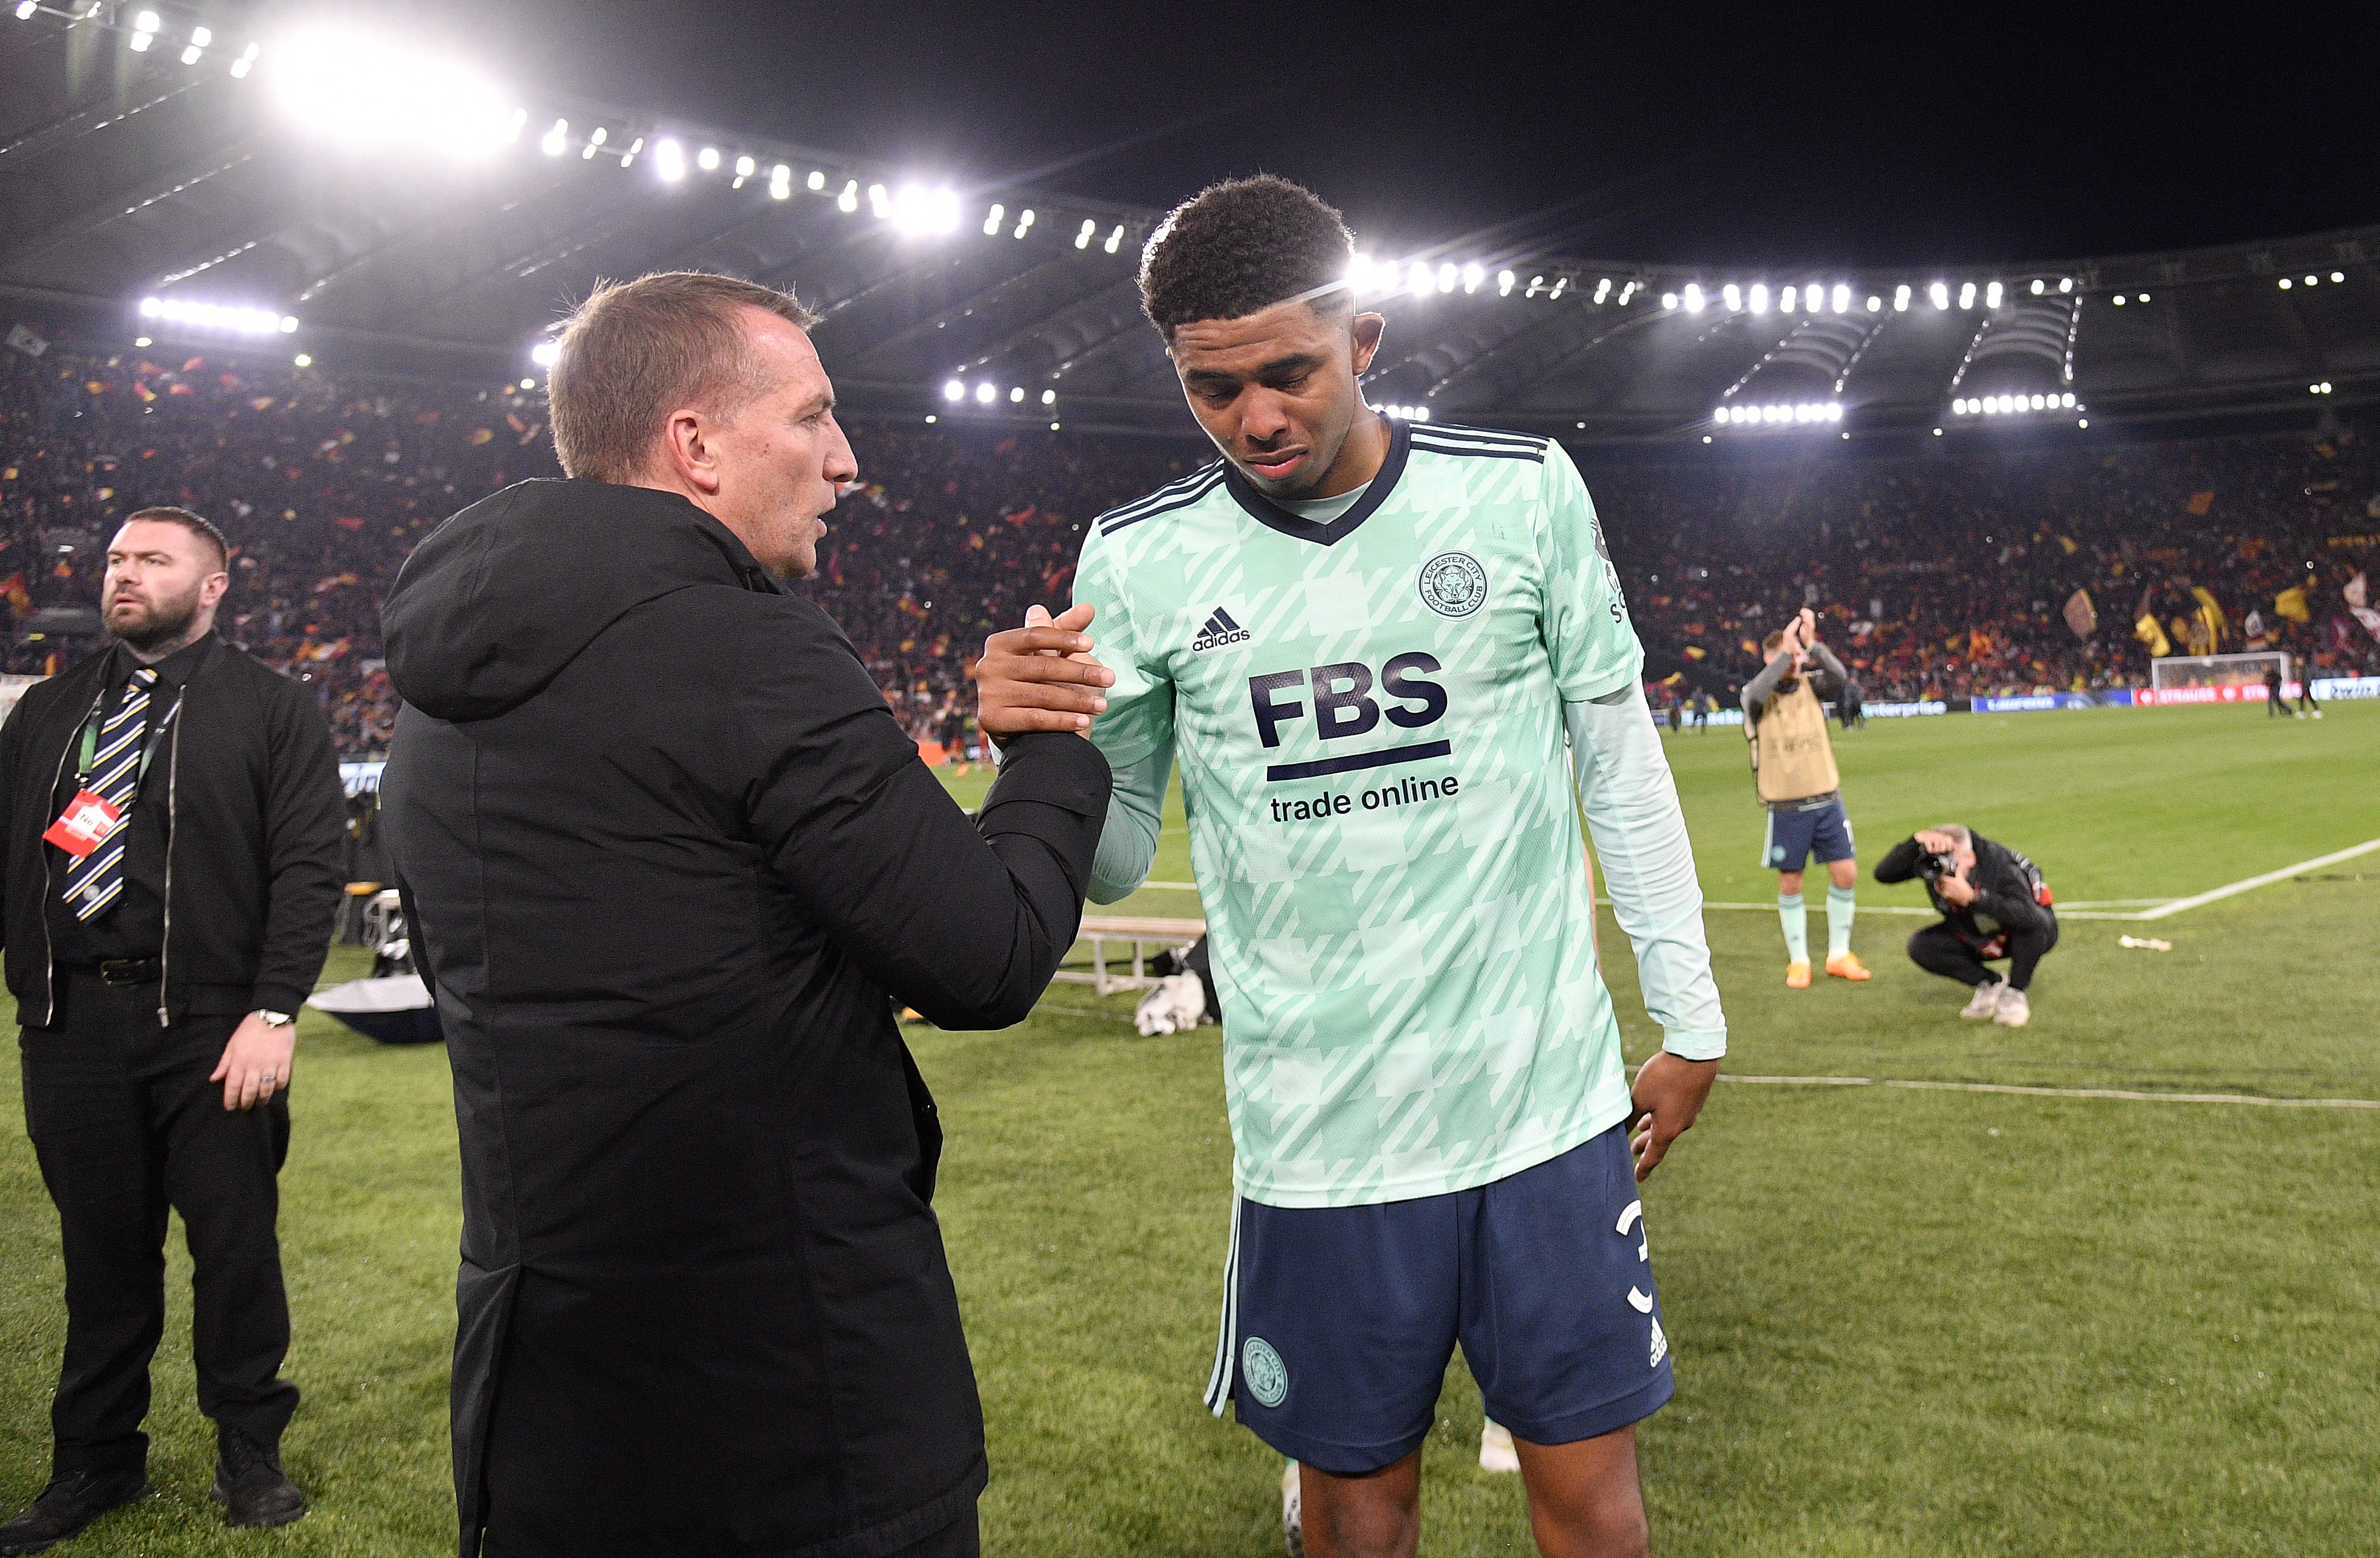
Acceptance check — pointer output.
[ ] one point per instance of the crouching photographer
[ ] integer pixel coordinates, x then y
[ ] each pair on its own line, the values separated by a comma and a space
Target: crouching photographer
1994, 904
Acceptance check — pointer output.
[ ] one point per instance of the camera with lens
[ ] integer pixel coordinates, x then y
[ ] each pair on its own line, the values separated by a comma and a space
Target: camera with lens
1936, 865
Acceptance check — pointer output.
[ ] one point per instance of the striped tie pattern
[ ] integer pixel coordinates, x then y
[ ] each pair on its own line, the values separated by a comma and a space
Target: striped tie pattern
96, 880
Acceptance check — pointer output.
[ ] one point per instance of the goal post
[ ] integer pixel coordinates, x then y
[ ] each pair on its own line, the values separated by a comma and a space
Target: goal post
2173, 671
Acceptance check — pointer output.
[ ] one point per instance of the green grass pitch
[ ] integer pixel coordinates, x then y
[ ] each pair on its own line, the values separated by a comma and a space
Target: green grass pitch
1907, 1322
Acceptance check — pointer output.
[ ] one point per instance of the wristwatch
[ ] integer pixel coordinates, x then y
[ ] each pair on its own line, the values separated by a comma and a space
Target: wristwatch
276, 1018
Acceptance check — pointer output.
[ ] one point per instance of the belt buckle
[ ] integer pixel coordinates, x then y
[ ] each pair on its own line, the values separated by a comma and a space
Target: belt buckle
120, 972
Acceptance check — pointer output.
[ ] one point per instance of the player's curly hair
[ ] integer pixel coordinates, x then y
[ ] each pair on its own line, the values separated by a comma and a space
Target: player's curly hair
1239, 247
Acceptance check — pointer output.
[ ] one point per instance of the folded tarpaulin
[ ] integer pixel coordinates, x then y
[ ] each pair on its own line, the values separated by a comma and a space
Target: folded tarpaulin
394, 1011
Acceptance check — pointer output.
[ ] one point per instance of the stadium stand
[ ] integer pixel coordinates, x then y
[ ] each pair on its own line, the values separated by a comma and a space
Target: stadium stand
1942, 576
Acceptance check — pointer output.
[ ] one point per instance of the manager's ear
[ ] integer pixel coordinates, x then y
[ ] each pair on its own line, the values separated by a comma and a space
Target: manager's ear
688, 451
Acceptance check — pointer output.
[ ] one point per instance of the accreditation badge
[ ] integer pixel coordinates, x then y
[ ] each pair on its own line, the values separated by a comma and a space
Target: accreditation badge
85, 823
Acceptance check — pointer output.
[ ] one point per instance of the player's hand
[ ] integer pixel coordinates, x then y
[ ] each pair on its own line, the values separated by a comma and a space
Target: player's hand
256, 1062
1668, 1095
1040, 677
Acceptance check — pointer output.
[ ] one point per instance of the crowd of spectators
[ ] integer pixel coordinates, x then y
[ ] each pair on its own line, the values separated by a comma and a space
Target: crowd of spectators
1948, 574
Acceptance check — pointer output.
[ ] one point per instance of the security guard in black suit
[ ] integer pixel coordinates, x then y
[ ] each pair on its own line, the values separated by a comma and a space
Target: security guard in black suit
169, 875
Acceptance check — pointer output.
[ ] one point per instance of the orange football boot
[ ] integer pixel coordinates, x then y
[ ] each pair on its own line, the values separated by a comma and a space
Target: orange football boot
1797, 976
1849, 967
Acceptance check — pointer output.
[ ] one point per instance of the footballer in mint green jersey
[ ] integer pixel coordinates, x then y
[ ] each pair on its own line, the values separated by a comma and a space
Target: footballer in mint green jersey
1393, 663
1367, 715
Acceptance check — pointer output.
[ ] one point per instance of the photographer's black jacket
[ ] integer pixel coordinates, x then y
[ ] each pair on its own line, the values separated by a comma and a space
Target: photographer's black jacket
250, 785
2003, 881
669, 860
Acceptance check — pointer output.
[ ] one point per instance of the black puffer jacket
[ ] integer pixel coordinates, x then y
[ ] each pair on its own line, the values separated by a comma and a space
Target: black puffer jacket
670, 860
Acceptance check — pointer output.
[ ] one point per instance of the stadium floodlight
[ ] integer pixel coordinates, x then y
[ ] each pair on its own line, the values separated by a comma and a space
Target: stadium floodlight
1561, 284
1446, 277
1115, 239
2065, 283
707, 158
745, 167
1504, 283
203, 37
25, 10
985, 393
918, 211
1024, 221
1049, 397
1967, 294
2066, 400
954, 391
816, 181
2285, 284
1874, 304
140, 41
555, 139
303, 360
1900, 298
190, 56
1603, 290
1940, 295
1668, 300
1017, 395
366, 89
848, 201
1842, 298
218, 316
669, 160
2038, 286
2144, 298
1471, 276
880, 202
1759, 297
1733, 296
1691, 295
1788, 300
1083, 236
2338, 276
2117, 300
1958, 407
544, 352
780, 183
992, 219
1992, 295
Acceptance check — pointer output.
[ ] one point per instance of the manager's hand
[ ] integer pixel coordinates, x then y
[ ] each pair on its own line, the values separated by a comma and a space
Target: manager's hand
1668, 1095
1040, 677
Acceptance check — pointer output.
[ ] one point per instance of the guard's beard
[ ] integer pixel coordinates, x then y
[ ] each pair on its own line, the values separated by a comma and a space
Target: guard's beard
164, 626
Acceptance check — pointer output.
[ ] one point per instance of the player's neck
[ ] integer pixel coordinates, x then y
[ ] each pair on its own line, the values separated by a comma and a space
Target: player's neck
1360, 458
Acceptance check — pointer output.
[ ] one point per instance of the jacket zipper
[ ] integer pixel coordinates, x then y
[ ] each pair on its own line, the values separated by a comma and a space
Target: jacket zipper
165, 944
49, 957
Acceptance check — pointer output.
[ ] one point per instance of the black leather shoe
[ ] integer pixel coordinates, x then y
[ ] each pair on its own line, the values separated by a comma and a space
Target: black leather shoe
67, 1505
251, 1485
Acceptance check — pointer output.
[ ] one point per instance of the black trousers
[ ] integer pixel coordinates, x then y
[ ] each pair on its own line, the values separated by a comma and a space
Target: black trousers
125, 1124
1938, 950
962, 1537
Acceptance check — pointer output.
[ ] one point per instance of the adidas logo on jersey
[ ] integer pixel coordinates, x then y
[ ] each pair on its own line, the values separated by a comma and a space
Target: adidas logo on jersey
1660, 1343
1218, 631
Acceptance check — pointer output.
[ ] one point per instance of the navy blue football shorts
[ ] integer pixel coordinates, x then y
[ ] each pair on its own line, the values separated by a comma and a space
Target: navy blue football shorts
1339, 1321
1794, 837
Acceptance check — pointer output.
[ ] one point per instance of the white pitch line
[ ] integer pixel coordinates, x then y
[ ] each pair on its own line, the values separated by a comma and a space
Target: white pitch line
2063, 1092
2177, 905
2164, 906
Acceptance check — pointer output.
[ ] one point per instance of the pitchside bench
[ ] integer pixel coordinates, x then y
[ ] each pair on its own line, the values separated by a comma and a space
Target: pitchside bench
1100, 929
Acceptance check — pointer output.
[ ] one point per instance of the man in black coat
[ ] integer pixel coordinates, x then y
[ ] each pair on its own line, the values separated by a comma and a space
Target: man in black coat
670, 861
1994, 904
171, 874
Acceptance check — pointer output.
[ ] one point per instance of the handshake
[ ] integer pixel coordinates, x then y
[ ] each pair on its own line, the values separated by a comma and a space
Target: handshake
1040, 677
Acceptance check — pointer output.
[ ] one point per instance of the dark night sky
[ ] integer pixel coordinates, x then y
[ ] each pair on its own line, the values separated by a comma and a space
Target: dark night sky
1659, 133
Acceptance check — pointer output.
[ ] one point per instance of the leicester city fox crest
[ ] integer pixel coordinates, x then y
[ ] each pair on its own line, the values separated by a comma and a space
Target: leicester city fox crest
1453, 583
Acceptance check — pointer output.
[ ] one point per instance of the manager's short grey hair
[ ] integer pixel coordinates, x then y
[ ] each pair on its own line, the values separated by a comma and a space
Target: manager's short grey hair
635, 350
1957, 832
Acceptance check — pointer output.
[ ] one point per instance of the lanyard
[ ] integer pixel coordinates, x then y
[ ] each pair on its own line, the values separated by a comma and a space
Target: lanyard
148, 748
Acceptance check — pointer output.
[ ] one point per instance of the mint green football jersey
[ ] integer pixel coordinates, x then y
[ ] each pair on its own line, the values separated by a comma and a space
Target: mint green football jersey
1367, 718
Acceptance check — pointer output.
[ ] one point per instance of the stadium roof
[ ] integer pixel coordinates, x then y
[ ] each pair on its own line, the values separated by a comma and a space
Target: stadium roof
390, 213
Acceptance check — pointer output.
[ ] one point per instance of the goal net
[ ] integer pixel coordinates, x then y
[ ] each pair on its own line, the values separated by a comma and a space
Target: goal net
2217, 670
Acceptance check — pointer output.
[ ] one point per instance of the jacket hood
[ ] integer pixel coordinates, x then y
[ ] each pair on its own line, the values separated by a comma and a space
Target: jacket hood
504, 595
